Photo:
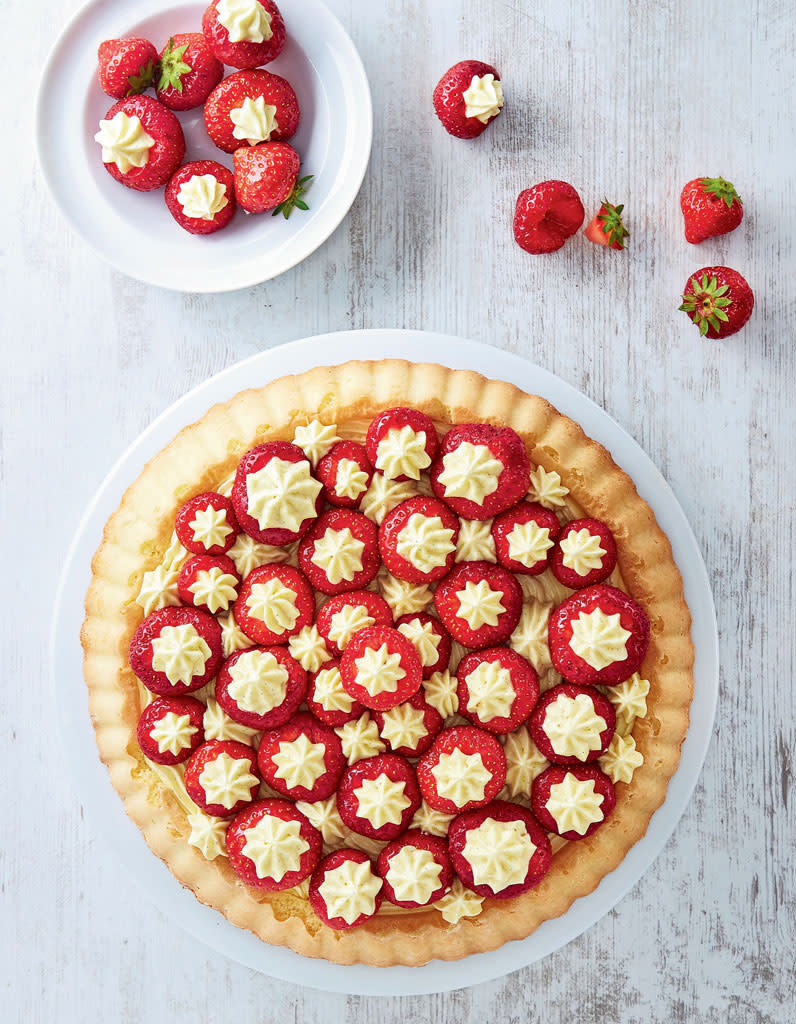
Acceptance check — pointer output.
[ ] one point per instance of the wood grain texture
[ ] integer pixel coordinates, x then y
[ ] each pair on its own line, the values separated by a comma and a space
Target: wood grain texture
629, 100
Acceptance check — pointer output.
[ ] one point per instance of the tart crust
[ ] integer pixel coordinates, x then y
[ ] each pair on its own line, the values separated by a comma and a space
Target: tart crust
204, 454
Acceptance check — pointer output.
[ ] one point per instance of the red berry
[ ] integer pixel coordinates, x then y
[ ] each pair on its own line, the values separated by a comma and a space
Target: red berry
546, 216
261, 687
176, 650
266, 178
524, 537
206, 524
417, 540
497, 689
257, 830
584, 554
467, 98
126, 66
479, 603
201, 197
718, 300
188, 72
380, 668
328, 699
464, 768
430, 638
262, 43
221, 777
343, 615
415, 865
302, 759
148, 160
345, 472
402, 442
711, 207
345, 871
378, 796
581, 781
606, 227
170, 729
209, 581
409, 728
566, 724
250, 107
274, 603
276, 504
340, 552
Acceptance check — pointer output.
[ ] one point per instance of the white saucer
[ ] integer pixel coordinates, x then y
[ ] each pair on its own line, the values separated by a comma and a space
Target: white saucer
134, 231
127, 844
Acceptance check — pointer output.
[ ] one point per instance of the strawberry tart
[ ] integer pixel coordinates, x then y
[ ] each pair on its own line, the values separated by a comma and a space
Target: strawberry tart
387, 661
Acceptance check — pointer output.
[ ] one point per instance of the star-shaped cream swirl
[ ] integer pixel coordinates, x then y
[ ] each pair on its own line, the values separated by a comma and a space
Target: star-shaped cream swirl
350, 479
413, 874
258, 682
547, 489
124, 141
159, 589
621, 759
323, 814
425, 542
210, 527
282, 494
470, 471
629, 700
316, 439
383, 495
403, 726
232, 636
574, 804
378, 670
483, 97
381, 801
459, 902
245, 20
524, 761
226, 780
529, 638
573, 726
442, 693
360, 739
254, 120
461, 777
402, 597
349, 620
274, 604
499, 853
338, 554
274, 846
599, 639
529, 543
330, 692
428, 820
180, 653
214, 588
479, 604
201, 197
475, 542
300, 762
491, 693
582, 551
219, 726
402, 452
350, 890
308, 648
425, 639
173, 732
248, 554
208, 834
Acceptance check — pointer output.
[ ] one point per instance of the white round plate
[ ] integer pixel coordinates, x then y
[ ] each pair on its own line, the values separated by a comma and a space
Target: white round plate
105, 807
134, 231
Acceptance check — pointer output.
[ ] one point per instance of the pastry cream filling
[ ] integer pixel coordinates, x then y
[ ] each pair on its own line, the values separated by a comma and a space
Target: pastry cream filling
208, 834
599, 639
300, 762
413, 874
434, 822
479, 604
316, 439
383, 495
308, 648
382, 801
330, 692
349, 620
442, 693
282, 494
338, 554
360, 739
573, 726
215, 588
350, 479
459, 902
403, 726
245, 20
379, 671
258, 683
547, 489
425, 542
582, 551
491, 693
274, 846
621, 759
629, 700
470, 471
232, 637
350, 890
248, 554
404, 598
529, 543
499, 853
274, 604
475, 543
461, 777
483, 98
219, 726
125, 142
159, 589
226, 780
202, 196
323, 814
209, 525
524, 761
173, 732
425, 639
402, 452
574, 804
529, 638
180, 653
254, 120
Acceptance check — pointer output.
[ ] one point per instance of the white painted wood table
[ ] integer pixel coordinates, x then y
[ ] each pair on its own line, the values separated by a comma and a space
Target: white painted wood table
627, 100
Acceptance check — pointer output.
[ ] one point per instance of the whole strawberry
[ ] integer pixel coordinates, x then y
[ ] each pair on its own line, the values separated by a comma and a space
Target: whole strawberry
718, 300
711, 207
266, 178
546, 216
188, 72
606, 227
142, 143
467, 98
126, 66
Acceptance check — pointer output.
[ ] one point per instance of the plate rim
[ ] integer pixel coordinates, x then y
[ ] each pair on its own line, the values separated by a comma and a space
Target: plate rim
90, 775
344, 197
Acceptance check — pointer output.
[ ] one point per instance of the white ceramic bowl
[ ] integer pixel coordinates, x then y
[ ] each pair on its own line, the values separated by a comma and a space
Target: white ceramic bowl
106, 810
134, 231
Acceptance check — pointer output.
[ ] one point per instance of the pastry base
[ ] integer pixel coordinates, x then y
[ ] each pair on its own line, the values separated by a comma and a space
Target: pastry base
205, 453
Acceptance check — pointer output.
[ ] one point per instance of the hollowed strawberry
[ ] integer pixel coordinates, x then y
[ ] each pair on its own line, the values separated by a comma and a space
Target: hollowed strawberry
206, 524
271, 845
378, 796
302, 759
524, 537
572, 802
380, 668
464, 768
274, 602
479, 603
416, 869
573, 724
497, 689
584, 554
340, 552
417, 540
345, 472
221, 777
261, 687
170, 729
176, 650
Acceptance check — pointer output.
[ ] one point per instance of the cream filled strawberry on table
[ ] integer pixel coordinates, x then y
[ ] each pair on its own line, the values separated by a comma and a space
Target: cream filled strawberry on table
390, 666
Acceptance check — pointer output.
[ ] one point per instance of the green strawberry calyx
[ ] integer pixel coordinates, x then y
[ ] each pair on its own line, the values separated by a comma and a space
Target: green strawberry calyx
707, 303
141, 82
294, 200
610, 219
173, 67
721, 189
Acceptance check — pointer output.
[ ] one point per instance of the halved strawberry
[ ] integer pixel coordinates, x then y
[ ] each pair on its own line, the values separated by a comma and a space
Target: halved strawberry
572, 802
244, 35
345, 472
170, 729
206, 524
301, 759
524, 537
209, 581
345, 891
188, 71
272, 845
402, 442
573, 724
142, 143
606, 227
467, 98
464, 768
380, 668
250, 107
416, 869
479, 603
126, 66
261, 687
340, 552
546, 216
409, 728
275, 495
274, 603
201, 197
417, 540
343, 615
584, 553
221, 777
176, 650
378, 796
497, 689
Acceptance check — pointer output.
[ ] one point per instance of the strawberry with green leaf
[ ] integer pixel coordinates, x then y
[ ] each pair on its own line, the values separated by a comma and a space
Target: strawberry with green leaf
188, 71
127, 67
711, 207
266, 178
718, 300
606, 227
